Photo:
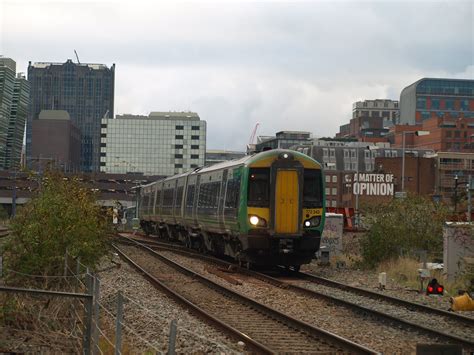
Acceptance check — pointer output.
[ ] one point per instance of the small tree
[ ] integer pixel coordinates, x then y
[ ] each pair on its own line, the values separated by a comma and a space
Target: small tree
406, 224
62, 217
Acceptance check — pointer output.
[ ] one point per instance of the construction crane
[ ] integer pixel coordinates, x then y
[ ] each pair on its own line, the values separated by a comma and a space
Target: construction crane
78, 62
254, 132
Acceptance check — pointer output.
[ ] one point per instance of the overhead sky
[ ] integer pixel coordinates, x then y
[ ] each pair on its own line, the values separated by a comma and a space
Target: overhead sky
296, 65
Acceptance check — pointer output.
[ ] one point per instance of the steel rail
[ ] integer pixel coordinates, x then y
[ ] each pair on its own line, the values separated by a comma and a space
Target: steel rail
256, 346
286, 319
336, 300
395, 300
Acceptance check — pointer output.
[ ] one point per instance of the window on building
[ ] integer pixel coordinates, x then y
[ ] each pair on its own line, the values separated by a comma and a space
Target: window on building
195, 128
178, 156
421, 103
334, 178
193, 146
178, 165
194, 156
334, 191
194, 165
178, 136
194, 137
332, 152
178, 146
325, 152
328, 191
347, 166
346, 153
448, 134
364, 104
179, 127
328, 178
333, 203
394, 154
375, 114
457, 134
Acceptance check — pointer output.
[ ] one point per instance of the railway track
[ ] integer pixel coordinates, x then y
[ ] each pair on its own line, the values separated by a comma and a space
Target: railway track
263, 329
395, 311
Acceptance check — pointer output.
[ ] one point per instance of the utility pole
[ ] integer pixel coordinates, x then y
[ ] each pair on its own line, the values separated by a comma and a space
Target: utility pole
469, 206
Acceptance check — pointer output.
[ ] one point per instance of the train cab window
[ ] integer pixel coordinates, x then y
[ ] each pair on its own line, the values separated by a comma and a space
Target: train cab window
312, 189
259, 187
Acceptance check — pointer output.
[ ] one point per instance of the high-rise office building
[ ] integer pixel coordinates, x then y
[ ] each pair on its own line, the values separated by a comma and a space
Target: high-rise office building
85, 91
14, 99
163, 143
16, 127
442, 98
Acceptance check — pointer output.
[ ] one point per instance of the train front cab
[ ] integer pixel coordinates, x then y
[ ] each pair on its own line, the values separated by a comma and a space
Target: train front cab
285, 210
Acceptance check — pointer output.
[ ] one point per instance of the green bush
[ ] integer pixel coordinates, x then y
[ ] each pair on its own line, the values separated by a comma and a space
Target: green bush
403, 225
63, 216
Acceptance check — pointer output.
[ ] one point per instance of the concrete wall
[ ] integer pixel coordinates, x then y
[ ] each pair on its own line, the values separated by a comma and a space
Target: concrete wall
458, 243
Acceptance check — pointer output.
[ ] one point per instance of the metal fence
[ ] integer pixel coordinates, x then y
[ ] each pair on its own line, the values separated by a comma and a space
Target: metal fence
77, 320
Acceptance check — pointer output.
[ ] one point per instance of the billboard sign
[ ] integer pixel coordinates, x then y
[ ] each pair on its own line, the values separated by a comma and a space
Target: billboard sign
373, 184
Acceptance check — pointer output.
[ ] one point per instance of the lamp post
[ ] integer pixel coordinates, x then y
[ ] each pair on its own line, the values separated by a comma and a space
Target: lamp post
456, 182
417, 133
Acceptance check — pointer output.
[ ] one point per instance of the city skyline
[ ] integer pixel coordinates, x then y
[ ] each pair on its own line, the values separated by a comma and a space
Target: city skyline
296, 66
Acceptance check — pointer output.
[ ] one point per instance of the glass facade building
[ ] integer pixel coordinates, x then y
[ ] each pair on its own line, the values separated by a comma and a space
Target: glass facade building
443, 98
85, 91
14, 100
163, 143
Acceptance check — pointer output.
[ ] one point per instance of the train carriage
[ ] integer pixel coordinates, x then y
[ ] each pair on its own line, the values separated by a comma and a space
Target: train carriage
265, 209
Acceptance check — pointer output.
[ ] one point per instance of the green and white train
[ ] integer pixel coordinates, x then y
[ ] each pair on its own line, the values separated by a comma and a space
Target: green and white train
263, 209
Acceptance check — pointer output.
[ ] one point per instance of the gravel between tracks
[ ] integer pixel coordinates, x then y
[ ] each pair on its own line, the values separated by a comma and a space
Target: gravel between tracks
152, 313
361, 329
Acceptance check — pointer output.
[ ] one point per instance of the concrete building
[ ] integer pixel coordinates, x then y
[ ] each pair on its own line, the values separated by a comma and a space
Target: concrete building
282, 140
85, 91
56, 142
442, 98
14, 100
218, 156
371, 120
163, 143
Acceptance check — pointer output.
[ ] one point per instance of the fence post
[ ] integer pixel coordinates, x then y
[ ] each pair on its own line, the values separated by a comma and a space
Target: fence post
172, 339
118, 324
65, 263
78, 271
88, 316
95, 334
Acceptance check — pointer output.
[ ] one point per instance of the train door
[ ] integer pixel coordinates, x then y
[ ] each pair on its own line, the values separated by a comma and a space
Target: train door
286, 201
220, 211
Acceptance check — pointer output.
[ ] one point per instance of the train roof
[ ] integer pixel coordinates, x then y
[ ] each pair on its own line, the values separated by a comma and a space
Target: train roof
248, 159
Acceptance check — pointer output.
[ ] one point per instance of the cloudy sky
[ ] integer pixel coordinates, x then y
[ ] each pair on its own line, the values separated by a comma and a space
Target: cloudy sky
296, 65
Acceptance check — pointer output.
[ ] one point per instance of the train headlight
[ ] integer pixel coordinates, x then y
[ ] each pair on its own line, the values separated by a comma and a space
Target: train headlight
254, 220
257, 221
312, 222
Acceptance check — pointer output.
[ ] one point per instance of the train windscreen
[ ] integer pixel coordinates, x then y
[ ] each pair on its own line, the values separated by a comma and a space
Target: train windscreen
259, 187
312, 189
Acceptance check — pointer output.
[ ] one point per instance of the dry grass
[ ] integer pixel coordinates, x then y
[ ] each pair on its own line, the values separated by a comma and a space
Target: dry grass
404, 271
